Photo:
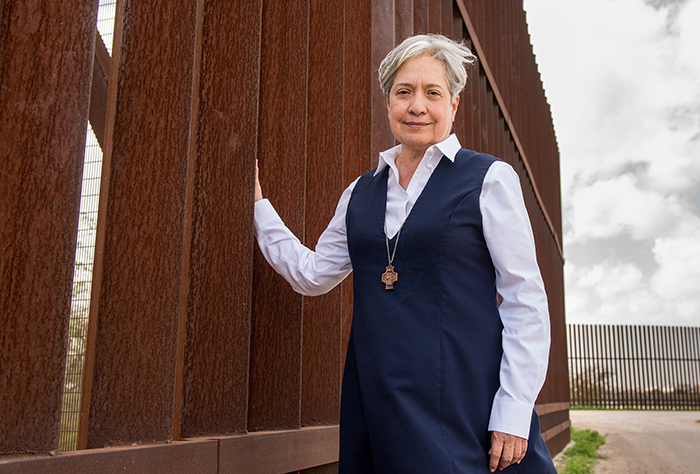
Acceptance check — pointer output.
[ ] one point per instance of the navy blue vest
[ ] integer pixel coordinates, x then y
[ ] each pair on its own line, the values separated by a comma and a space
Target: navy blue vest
423, 359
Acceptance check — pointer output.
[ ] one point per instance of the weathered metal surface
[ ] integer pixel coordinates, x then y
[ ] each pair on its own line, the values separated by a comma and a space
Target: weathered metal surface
215, 384
263, 452
511, 63
404, 19
98, 93
383, 39
357, 114
275, 345
273, 452
138, 265
190, 457
46, 51
327, 469
321, 349
421, 23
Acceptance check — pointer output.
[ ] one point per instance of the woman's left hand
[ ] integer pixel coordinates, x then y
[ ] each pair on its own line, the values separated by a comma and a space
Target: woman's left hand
506, 449
258, 188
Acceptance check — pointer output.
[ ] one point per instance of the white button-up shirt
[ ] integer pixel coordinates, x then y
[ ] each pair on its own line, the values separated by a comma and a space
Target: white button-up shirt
524, 311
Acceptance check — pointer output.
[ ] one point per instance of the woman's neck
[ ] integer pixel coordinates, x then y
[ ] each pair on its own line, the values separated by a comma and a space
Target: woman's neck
406, 163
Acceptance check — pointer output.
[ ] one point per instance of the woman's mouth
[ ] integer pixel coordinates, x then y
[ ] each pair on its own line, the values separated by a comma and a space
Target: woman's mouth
416, 124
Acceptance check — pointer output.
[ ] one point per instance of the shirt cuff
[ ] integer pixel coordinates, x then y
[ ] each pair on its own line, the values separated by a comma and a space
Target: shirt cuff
265, 215
511, 417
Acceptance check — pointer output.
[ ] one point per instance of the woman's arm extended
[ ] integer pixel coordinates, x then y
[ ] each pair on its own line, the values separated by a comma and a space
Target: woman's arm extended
309, 272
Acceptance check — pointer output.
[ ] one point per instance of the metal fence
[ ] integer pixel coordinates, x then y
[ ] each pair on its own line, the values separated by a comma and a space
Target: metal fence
197, 355
638, 367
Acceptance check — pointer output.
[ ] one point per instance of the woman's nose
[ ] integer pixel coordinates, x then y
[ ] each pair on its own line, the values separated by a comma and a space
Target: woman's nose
417, 105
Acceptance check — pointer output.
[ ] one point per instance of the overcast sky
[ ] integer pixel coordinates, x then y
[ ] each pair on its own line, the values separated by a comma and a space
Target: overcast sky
623, 81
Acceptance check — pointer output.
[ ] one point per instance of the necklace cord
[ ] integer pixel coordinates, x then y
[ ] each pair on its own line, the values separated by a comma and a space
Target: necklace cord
390, 256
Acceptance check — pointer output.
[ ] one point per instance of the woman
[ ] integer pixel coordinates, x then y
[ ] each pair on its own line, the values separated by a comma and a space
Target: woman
438, 377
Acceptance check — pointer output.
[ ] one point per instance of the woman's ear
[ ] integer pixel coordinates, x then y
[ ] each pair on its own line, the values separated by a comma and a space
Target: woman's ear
455, 104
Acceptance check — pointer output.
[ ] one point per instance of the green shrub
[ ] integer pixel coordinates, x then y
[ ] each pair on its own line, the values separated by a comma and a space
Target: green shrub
581, 457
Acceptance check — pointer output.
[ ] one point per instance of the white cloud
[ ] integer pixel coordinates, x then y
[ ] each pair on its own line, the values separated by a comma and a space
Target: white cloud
679, 260
618, 293
620, 85
618, 206
610, 280
606, 293
623, 81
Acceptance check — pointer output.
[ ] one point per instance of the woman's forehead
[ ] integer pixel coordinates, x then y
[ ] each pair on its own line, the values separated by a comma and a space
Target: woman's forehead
425, 70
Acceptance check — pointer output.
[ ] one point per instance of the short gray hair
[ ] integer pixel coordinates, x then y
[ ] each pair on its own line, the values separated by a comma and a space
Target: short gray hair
456, 56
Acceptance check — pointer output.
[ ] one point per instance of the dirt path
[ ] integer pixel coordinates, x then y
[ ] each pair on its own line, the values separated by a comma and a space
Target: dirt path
644, 442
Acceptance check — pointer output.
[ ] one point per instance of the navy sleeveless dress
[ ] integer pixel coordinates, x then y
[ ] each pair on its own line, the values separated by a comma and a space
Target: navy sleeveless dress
423, 360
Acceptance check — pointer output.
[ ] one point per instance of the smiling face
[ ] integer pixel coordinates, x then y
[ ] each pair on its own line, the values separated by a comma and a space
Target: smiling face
421, 111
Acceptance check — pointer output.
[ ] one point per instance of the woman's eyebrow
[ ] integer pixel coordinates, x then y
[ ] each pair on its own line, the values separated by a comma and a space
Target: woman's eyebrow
426, 86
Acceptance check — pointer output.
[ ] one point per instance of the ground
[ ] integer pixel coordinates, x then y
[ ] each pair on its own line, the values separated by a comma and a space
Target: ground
644, 442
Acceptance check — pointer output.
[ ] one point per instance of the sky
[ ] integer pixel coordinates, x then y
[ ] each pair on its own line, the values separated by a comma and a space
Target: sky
622, 78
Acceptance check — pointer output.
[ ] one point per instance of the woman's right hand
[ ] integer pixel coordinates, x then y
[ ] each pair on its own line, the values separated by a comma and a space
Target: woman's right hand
258, 189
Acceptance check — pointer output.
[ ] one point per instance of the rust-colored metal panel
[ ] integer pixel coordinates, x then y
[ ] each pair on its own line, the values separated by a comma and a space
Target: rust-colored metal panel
481, 142
446, 18
360, 82
45, 74
320, 394
327, 469
383, 39
435, 17
98, 93
421, 23
559, 442
404, 19
277, 452
276, 331
521, 91
470, 104
137, 281
190, 457
215, 378
554, 419
357, 147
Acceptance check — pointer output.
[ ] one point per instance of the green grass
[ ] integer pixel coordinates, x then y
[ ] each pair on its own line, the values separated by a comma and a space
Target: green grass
582, 456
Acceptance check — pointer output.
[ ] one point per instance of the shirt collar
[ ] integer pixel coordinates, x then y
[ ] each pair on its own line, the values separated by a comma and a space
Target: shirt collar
448, 147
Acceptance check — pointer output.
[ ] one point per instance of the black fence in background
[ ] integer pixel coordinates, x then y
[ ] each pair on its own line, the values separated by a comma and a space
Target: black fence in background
635, 367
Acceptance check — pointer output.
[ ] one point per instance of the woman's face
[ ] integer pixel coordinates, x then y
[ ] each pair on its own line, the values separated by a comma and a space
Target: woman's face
420, 109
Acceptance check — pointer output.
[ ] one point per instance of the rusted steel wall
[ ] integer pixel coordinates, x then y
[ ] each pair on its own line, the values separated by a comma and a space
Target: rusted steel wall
45, 75
191, 333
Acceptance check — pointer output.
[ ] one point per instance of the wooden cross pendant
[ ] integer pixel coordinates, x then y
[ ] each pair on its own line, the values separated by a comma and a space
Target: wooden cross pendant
389, 277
